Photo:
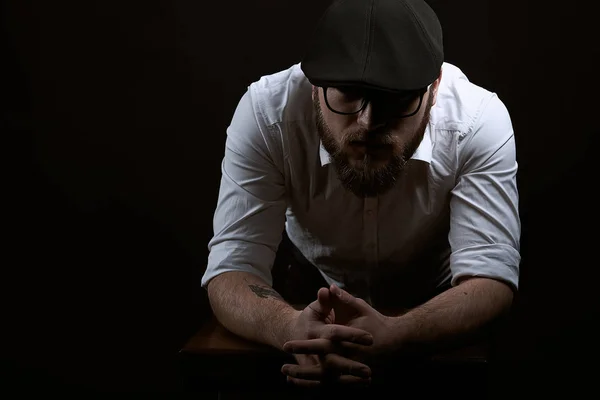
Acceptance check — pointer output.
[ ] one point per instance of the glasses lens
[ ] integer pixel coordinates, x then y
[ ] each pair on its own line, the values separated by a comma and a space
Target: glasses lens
351, 100
400, 105
344, 100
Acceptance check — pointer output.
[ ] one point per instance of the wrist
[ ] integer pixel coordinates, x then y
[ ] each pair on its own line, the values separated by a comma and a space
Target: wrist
287, 325
400, 333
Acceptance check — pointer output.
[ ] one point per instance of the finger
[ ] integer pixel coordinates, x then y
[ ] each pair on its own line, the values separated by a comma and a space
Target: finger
341, 333
350, 380
306, 372
336, 365
351, 350
311, 346
322, 347
323, 296
346, 306
324, 299
341, 295
331, 318
303, 382
333, 366
323, 305
344, 380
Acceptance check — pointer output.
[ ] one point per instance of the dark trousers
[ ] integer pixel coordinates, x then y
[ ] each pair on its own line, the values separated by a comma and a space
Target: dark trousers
294, 277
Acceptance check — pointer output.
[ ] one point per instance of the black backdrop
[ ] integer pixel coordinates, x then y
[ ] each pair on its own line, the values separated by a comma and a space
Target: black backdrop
114, 116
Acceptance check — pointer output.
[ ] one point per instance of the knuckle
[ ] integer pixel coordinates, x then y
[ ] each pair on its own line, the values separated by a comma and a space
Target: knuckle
363, 338
311, 332
329, 361
331, 332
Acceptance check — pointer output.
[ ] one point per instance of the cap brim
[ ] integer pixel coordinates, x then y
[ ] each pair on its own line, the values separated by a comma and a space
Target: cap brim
362, 85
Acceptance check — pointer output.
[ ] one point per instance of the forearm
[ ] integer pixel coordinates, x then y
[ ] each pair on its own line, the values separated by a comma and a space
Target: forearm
452, 318
244, 304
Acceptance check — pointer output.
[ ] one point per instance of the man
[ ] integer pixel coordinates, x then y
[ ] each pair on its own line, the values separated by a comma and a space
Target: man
392, 175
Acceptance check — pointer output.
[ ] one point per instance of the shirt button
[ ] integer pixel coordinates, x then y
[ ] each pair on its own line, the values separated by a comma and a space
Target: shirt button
369, 212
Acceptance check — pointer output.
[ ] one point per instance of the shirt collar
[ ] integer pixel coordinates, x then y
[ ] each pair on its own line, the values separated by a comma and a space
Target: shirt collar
423, 153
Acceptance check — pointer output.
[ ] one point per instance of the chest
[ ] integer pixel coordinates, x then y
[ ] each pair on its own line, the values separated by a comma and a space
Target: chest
390, 226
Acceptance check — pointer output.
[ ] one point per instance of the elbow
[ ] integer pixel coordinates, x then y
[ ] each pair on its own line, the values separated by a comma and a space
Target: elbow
215, 290
504, 294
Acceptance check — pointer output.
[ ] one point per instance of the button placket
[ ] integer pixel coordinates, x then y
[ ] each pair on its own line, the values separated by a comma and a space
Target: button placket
370, 230
370, 244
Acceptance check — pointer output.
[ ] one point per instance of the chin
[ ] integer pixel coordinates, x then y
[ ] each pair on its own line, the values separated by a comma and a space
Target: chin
373, 163
379, 162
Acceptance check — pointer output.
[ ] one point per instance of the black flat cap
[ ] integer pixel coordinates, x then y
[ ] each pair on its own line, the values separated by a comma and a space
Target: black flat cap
392, 45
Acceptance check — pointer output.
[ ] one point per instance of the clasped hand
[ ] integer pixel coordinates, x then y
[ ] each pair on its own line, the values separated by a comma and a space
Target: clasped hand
334, 338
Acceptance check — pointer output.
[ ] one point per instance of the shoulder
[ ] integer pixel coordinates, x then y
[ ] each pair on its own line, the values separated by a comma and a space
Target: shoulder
282, 96
460, 102
469, 122
464, 110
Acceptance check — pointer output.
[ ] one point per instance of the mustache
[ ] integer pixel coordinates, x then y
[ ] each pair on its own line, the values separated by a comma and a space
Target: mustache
378, 136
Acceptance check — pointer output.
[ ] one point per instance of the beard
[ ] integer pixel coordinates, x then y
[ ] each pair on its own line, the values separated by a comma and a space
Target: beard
370, 179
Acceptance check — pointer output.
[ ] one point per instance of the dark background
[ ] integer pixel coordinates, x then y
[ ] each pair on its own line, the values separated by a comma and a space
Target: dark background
113, 126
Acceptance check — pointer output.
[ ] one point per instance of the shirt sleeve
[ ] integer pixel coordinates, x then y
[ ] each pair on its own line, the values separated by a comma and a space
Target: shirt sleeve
250, 214
484, 219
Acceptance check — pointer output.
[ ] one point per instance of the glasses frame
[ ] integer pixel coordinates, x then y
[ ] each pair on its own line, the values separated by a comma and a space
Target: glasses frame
366, 101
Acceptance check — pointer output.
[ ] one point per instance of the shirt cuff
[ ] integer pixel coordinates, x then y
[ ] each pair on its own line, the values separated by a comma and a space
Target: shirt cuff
496, 261
235, 256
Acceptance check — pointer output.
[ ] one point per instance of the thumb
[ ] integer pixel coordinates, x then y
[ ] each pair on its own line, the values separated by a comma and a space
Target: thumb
324, 298
343, 299
323, 305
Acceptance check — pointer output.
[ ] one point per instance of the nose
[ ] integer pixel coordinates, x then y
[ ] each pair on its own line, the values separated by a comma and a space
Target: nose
368, 119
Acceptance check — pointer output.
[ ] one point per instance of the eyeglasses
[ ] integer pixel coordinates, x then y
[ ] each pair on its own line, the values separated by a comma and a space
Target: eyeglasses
348, 100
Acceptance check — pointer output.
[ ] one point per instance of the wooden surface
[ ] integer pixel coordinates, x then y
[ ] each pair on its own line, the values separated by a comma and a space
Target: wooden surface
216, 359
214, 339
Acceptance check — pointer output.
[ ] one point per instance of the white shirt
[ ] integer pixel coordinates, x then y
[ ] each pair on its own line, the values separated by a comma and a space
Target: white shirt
456, 205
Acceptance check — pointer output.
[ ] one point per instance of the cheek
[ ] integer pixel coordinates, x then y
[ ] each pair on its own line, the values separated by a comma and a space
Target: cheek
407, 128
337, 130
403, 134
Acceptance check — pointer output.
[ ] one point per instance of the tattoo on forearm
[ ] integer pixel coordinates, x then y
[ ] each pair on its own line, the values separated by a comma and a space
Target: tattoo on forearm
265, 292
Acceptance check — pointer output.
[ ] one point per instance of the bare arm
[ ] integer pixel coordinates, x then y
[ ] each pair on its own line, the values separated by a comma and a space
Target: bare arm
244, 304
453, 317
